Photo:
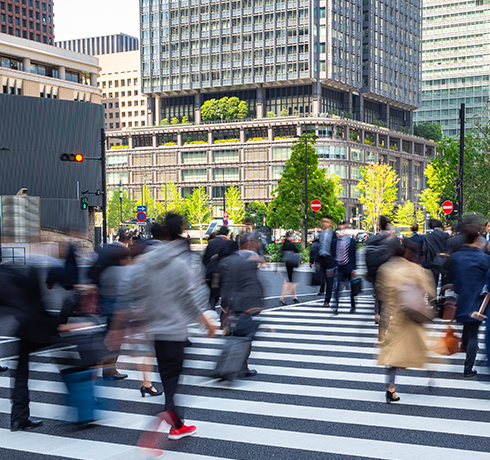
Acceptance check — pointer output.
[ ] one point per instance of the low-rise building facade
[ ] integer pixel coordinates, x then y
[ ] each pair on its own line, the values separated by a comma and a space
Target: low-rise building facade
38, 70
252, 154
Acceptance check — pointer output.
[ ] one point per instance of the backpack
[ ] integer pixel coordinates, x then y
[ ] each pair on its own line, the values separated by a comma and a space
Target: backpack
376, 255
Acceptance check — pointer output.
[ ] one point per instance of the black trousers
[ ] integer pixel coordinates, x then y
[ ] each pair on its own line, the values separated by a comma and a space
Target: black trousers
20, 393
170, 359
327, 266
469, 340
342, 277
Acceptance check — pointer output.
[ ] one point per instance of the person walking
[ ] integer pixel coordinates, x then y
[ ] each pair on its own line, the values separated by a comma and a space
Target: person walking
345, 250
164, 282
217, 249
467, 271
433, 246
418, 239
290, 255
404, 345
326, 256
315, 263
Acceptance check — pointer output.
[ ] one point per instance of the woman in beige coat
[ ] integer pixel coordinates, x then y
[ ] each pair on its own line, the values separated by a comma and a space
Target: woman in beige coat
404, 345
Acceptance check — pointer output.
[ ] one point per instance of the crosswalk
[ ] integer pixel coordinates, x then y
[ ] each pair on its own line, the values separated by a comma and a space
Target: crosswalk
318, 395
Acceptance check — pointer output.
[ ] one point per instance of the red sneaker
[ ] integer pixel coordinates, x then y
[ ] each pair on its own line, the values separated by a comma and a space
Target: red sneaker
181, 432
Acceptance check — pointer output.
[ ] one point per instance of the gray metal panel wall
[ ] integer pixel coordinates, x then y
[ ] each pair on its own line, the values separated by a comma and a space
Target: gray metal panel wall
38, 131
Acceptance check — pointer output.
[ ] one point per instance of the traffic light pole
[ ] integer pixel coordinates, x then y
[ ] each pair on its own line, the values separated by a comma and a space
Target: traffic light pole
306, 193
104, 186
459, 187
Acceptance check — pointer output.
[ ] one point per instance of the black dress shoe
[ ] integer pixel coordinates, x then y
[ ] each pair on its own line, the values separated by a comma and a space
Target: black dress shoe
26, 425
118, 376
251, 373
3, 368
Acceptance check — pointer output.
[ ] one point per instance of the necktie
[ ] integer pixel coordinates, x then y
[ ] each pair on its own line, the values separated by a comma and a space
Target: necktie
344, 251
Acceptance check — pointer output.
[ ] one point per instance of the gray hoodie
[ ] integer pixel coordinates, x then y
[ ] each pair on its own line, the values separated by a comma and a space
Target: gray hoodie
166, 282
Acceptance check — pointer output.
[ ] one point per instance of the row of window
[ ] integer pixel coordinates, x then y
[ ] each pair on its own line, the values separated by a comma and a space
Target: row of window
123, 114
30, 35
122, 82
123, 94
45, 6
115, 105
129, 124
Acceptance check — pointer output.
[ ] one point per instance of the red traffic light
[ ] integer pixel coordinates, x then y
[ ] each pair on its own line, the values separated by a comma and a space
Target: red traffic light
78, 157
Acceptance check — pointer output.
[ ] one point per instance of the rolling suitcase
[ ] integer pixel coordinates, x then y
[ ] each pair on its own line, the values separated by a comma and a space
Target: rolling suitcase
233, 360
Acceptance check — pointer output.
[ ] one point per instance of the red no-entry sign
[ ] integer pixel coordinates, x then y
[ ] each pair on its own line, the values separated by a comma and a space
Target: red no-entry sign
447, 207
316, 205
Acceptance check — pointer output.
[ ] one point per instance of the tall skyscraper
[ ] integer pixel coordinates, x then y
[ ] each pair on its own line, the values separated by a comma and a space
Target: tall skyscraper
305, 57
456, 62
31, 19
97, 46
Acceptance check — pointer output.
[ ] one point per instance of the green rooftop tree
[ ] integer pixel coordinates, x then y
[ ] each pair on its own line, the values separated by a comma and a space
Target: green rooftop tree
226, 108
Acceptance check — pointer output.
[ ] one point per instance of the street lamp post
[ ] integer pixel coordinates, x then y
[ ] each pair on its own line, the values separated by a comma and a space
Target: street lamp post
104, 186
306, 193
121, 200
224, 199
459, 181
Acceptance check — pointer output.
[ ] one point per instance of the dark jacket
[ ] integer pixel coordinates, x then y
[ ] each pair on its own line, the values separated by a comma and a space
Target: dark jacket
241, 288
20, 296
314, 250
220, 246
467, 271
351, 265
434, 244
418, 239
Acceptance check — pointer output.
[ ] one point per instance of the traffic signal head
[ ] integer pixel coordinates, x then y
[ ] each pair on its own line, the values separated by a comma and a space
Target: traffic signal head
78, 157
84, 202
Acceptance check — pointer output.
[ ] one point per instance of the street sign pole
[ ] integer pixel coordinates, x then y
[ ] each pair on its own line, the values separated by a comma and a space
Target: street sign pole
314, 223
459, 187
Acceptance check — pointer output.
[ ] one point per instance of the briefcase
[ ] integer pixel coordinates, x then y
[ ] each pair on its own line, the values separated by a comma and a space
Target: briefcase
356, 286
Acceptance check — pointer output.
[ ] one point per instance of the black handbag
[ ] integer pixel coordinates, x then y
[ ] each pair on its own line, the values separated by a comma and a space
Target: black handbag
291, 258
246, 326
317, 278
356, 286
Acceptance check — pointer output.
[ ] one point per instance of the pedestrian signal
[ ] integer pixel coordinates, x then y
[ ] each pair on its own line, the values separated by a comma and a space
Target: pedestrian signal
77, 157
84, 202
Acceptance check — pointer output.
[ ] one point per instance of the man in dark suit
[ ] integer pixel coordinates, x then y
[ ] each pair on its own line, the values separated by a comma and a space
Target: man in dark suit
20, 295
218, 248
326, 256
345, 251
433, 246
418, 239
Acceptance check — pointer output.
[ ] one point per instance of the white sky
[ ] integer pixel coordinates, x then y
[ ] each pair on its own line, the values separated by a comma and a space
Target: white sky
91, 18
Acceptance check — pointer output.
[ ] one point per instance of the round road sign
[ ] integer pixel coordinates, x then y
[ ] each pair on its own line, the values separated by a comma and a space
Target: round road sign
225, 221
141, 216
447, 207
316, 205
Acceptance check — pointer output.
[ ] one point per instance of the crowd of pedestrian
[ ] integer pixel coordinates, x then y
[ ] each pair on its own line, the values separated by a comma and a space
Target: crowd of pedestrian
143, 294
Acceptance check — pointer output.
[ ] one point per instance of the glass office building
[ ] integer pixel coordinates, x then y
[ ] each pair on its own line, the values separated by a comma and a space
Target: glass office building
456, 62
304, 57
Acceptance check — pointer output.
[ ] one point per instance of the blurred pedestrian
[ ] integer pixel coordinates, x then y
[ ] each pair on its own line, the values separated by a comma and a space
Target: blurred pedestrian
418, 239
345, 250
433, 247
318, 276
20, 295
217, 249
242, 295
467, 271
164, 282
326, 256
290, 256
404, 345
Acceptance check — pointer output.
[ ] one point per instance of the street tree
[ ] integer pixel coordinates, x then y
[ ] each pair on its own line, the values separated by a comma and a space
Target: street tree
378, 188
197, 209
255, 212
406, 214
443, 171
114, 209
172, 201
287, 208
431, 201
234, 205
428, 130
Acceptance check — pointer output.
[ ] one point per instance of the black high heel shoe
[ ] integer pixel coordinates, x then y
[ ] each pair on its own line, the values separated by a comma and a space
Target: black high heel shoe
150, 391
390, 396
